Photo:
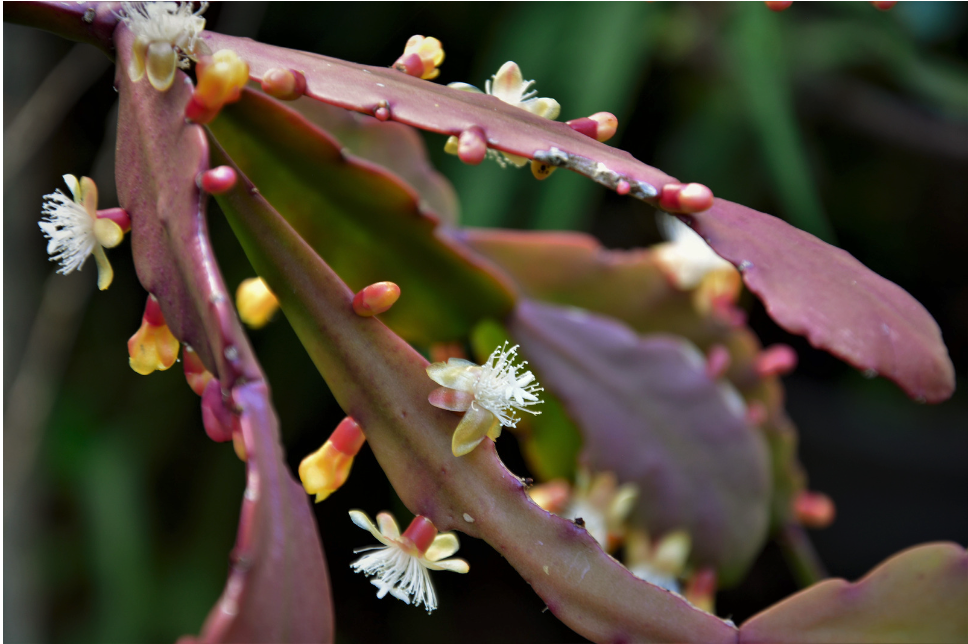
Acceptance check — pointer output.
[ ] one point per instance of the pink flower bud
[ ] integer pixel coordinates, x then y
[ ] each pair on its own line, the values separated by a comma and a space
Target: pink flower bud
685, 199
472, 146
375, 299
814, 509
284, 84
196, 374
217, 180
216, 417
717, 361
777, 360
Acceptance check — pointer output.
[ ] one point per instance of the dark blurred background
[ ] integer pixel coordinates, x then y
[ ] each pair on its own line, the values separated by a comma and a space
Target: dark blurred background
846, 121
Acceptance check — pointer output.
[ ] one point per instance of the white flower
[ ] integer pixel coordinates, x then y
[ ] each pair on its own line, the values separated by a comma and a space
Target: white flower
165, 35
686, 256
490, 395
661, 562
508, 84
401, 566
75, 231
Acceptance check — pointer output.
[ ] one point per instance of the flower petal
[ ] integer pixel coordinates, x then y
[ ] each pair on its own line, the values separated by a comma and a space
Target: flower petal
74, 186
453, 565
547, 108
451, 399
105, 274
445, 544
388, 525
363, 521
475, 425
508, 82
88, 196
455, 374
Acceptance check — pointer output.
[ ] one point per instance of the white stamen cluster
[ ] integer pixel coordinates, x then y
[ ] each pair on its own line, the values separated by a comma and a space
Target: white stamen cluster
70, 230
398, 573
171, 22
501, 390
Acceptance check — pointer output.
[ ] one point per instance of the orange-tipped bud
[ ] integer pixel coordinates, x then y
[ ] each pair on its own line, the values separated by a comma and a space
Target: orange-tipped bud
255, 302
779, 6
421, 58
196, 374
471, 146
701, 589
551, 496
220, 79
153, 347
217, 180
375, 299
118, 216
776, 360
541, 169
685, 198
421, 533
814, 509
600, 126
284, 84
325, 470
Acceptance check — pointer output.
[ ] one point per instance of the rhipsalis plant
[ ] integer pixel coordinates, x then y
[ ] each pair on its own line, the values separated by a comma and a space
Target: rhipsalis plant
664, 455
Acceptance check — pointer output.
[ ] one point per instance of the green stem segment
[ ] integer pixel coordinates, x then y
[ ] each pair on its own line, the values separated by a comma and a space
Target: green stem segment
800, 555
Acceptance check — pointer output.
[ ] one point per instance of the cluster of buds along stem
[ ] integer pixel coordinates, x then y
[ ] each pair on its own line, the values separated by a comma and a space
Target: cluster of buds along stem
152, 347
255, 302
325, 470
221, 78
421, 58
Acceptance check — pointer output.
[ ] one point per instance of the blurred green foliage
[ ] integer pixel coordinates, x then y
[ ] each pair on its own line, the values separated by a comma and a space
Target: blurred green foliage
846, 121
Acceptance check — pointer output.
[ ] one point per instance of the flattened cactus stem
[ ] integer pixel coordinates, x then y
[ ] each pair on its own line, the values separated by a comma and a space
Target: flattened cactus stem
284, 84
325, 470
685, 198
776, 360
196, 374
814, 510
376, 299
217, 180
420, 533
472, 146
118, 215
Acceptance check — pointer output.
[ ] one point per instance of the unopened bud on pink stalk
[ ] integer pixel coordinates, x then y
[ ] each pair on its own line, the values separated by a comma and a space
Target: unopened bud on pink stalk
685, 198
196, 374
376, 299
600, 126
701, 589
217, 180
421, 58
221, 78
472, 146
776, 360
814, 509
152, 347
284, 84
325, 470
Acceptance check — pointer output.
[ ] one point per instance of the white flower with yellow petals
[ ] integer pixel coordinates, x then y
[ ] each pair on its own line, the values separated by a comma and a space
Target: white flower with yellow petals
401, 565
75, 231
489, 395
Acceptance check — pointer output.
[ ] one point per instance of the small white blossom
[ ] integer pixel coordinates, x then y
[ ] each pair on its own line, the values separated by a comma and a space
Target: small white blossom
686, 255
508, 84
75, 232
490, 394
165, 37
401, 566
